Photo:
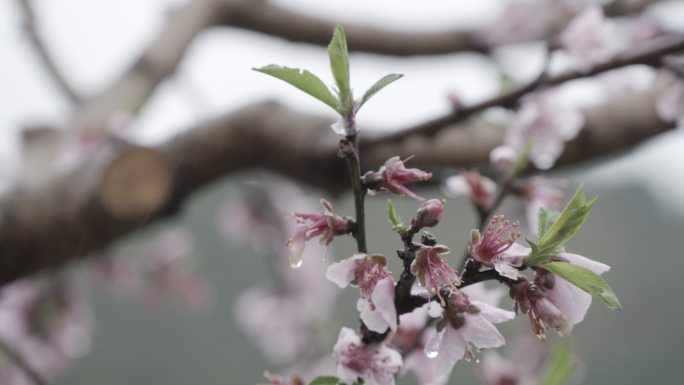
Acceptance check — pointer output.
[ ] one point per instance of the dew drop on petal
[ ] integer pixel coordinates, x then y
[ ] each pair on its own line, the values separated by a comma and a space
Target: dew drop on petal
296, 263
432, 347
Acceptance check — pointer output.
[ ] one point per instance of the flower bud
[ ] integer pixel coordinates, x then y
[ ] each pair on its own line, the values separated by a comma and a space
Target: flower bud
429, 214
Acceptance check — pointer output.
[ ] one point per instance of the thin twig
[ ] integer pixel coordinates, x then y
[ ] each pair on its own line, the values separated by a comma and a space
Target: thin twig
42, 51
649, 56
16, 358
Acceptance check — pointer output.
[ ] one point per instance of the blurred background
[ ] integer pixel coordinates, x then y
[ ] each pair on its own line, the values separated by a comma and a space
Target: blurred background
187, 330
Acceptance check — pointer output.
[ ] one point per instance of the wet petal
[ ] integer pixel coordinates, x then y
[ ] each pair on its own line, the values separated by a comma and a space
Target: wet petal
383, 298
575, 259
480, 332
371, 318
342, 273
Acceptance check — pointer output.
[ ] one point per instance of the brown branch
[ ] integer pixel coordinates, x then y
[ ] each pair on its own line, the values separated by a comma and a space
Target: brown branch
274, 20
43, 53
647, 56
124, 188
130, 91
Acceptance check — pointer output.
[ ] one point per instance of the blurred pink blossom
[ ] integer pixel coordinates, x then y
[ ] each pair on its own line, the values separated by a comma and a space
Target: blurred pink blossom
48, 323
544, 124
478, 188
525, 21
589, 38
502, 158
541, 192
168, 271
374, 364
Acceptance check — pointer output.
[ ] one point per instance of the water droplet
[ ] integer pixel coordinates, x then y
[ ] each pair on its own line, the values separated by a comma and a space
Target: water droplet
432, 347
295, 263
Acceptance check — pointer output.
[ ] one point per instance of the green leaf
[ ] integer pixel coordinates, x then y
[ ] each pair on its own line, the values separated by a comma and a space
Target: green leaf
380, 84
564, 227
546, 219
326, 380
398, 224
586, 280
339, 65
559, 367
304, 80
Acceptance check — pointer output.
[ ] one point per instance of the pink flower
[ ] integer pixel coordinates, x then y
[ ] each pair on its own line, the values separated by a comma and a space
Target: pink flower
588, 38
392, 177
553, 301
374, 364
497, 248
479, 189
496, 370
465, 321
410, 338
570, 300
370, 274
526, 366
169, 271
540, 192
432, 270
326, 224
524, 21
429, 214
48, 323
544, 124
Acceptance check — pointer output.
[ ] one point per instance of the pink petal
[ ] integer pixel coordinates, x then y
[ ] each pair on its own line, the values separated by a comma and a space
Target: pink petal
575, 259
373, 319
343, 272
507, 270
383, 298
480, 332
572, 301
479, 292
492, 313
452, 349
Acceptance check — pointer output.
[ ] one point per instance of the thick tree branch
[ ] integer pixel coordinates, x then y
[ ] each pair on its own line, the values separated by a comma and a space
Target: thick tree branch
158, 61
131, 89
25, 7
126, 187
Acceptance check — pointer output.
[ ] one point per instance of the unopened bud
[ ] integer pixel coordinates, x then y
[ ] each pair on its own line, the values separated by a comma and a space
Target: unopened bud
429, 214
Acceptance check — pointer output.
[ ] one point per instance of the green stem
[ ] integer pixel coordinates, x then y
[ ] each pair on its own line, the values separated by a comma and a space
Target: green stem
349, 150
